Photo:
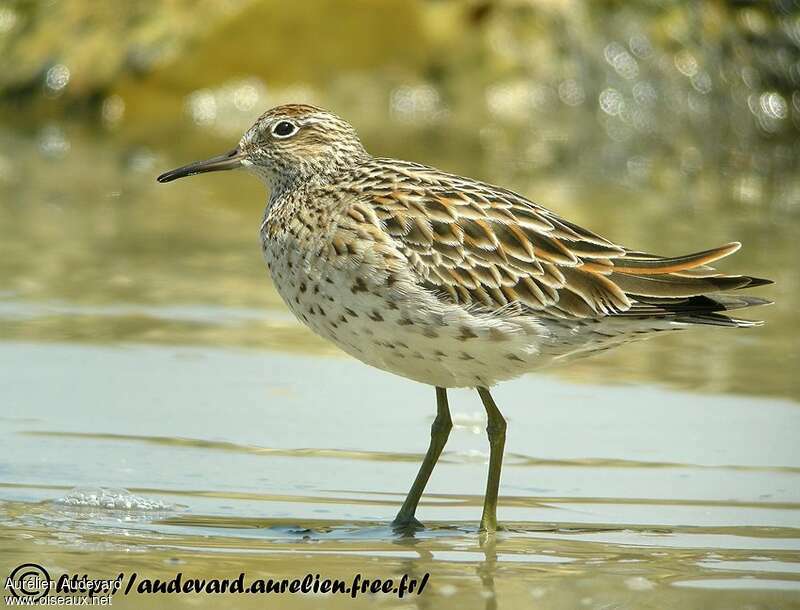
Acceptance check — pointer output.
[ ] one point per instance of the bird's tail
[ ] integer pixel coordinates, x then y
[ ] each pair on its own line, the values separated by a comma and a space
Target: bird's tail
685, 289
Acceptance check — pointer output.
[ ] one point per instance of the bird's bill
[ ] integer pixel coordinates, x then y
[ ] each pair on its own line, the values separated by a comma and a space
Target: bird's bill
230, 160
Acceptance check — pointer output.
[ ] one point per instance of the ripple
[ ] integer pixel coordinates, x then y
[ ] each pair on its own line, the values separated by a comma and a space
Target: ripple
110, 499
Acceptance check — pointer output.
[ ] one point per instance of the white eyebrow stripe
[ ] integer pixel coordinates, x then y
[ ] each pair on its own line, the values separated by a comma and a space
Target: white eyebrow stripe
312, 120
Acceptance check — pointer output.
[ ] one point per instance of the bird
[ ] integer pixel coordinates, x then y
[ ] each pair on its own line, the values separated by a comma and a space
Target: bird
450, 281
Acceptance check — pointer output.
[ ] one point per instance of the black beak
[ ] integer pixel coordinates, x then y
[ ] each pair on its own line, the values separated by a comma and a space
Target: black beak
230, 160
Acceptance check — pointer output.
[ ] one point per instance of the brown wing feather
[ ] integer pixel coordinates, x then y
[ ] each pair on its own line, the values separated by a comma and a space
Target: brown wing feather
483, 246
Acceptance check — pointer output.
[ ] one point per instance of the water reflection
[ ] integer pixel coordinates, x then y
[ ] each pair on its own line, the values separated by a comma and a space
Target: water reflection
487, 570
571, 566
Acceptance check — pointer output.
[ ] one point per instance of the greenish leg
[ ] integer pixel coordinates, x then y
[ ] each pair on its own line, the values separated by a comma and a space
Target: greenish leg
440, 430
496, 429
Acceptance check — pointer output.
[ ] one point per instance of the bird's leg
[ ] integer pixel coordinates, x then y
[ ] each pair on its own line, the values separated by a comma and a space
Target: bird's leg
496, 429
440, 430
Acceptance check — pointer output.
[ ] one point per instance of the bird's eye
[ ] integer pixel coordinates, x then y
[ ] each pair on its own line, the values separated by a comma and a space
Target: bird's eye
284, 129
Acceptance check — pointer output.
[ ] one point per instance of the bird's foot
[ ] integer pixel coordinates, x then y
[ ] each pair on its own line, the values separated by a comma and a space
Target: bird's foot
406, 525
490, 527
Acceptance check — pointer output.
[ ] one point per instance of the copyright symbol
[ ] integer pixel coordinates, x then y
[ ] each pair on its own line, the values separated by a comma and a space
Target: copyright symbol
29, 580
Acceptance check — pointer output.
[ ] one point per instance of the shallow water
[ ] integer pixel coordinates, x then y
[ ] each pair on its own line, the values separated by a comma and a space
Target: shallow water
147, 362
610, 495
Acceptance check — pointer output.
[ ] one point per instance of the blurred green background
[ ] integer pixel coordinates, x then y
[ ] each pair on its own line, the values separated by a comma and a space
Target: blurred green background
668, 126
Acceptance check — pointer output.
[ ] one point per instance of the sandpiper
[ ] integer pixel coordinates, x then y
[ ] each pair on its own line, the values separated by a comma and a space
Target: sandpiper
450, 281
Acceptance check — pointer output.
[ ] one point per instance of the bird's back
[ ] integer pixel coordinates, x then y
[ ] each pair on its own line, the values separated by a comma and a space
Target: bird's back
486, 247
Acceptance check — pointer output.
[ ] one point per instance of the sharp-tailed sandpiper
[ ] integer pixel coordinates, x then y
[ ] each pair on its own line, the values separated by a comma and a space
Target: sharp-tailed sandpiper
450, 281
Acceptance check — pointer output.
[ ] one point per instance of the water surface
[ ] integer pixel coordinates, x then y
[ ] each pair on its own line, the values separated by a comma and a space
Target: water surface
610, 495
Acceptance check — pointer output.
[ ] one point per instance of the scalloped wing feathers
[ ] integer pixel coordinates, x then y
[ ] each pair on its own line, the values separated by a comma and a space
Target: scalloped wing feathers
485, 247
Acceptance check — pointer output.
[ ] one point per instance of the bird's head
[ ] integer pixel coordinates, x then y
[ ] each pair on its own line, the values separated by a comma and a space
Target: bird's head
286, 144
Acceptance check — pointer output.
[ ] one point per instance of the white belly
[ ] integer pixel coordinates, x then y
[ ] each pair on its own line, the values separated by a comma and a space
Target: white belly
386, 320
402, 328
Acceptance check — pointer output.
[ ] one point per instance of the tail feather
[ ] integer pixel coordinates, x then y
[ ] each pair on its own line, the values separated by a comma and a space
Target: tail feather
716, 319
669, 285
684, 289
717, 302
643, 264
